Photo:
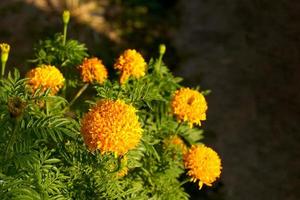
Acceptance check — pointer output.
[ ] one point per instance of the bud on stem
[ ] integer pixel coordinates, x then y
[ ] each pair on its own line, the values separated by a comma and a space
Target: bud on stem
4, 56
65, 19
66, 16
162, 51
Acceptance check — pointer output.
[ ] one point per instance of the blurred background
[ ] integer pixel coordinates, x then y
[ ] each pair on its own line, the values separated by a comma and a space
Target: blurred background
246, 52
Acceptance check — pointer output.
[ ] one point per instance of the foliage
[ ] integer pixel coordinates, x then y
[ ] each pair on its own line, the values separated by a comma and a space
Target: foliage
43, 156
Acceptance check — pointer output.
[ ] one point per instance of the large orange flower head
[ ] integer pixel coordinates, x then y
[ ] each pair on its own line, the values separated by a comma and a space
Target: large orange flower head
203, 164
189, 105
130, 63
92, 69
111, 126
45, 77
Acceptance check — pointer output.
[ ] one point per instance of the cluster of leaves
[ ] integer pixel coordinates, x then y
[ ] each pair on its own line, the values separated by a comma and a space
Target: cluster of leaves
43, 156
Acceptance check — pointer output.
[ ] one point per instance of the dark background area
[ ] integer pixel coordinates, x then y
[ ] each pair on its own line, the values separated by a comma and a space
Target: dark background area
246, 52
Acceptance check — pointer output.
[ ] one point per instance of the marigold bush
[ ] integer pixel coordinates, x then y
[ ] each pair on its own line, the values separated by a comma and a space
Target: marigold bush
132, 138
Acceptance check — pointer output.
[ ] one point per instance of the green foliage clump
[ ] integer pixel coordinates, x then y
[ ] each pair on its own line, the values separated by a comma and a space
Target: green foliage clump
43, 155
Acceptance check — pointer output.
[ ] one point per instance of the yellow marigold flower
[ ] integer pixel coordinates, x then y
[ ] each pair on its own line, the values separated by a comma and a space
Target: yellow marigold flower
45, 77
203, 164
130, 63
177, 142
111, 126
92, 69
189, 105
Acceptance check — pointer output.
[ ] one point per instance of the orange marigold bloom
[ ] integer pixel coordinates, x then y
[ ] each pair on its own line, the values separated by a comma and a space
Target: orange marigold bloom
45, 77
177, 142
92, 69
189, 105
203, 164
111, 126
130, 63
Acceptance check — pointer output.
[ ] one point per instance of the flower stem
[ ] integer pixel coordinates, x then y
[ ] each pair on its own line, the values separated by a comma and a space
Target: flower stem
178, 127
3, 69
12, 139
84, 87
65, 34
162, 50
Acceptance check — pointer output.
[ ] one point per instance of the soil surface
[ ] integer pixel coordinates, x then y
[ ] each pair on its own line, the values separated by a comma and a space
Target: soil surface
247, 53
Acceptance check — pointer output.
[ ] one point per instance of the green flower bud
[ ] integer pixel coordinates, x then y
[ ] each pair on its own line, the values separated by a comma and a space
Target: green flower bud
4, 52
162, 49
66, 16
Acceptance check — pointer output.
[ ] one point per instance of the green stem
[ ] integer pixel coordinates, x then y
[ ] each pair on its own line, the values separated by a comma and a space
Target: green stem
84, 87
65, 34
3, 69
185, 181
12, 139
47, 107
158, 64
177, 128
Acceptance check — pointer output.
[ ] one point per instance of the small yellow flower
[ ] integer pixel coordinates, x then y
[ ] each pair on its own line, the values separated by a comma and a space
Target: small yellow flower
4, 51
130, 63
45, 77
92, 69
203, 164
111, 126
189, 105
177, 142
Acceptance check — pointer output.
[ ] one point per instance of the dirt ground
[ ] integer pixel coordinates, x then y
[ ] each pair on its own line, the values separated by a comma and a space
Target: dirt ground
247, 53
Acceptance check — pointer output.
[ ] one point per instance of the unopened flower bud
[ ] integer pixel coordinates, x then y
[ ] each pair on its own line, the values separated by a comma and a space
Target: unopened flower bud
162, 49
66, 16
4, 52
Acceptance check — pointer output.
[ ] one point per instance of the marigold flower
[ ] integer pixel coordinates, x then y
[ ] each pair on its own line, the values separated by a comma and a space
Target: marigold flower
45, 77
189, 105
111, 126
92, 69
203, 164
130, 63
177, 142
